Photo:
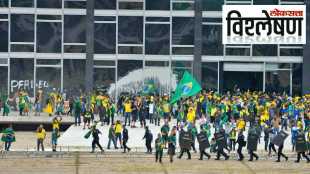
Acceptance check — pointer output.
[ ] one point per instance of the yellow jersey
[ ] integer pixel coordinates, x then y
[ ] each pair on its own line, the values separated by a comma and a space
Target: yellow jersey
166, 107
118, 128
191, 116
56, 124
128, 107
241, 124
41, 135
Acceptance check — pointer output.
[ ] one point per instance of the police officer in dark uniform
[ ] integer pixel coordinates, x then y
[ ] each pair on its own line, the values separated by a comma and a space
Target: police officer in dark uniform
241, 143
148, 136
95, 134
221, 140
125, 139
252, 143
301, 146
202, 149
280, 153
183, 149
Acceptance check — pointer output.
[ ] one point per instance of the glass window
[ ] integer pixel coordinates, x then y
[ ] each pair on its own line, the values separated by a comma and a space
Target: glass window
252, 81
49, 3
49, 17
182, 31
278, 81
48, 62
283, 1
209, 75
105, 18
130, 29
22, 28
297, 79
213, 20
157, 5
130, 50
239, 2
22, 48
157, 39
4, 34
3, 61
179, 67
75, 29
104, 62
49, 37
105, 4
74, 81
105, 38
178, 72
22, 3
291, 52
4, 16
131, 5
104, 77
75, 48
48, 79
157, 19
265, 2
212, 5
183, 50
4, 3
265, 50
181, 64
212, 40
75, 4
183, 6
21, 75
126, 66
3, 80
238, 51
156, 63
277, 66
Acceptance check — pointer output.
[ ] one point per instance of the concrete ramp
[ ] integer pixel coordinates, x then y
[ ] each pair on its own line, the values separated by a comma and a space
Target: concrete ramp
74, 137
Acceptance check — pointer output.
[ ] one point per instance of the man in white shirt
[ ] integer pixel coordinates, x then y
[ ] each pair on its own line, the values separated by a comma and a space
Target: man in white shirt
151, 112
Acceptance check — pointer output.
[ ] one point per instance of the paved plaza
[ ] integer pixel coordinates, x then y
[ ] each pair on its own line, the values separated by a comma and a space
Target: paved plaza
85, 163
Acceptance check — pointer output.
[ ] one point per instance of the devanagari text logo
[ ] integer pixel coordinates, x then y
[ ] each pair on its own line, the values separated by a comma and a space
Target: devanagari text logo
264, 24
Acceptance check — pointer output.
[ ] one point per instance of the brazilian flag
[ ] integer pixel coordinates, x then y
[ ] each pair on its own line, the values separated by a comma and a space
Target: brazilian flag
8, 135
187, 87
149, 87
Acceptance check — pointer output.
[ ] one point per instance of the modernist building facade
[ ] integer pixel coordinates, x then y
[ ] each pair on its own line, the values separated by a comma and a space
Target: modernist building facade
43, 45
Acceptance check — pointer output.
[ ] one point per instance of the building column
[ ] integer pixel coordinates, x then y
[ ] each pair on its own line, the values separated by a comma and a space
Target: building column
306, 56
89, 77
221, 77
198, 41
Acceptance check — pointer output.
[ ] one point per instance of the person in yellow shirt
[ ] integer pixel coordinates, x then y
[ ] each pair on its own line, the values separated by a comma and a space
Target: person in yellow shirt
166, 109
191, 115
41, 134
128, 110
118, 132
213, 113
241, 124
56, 124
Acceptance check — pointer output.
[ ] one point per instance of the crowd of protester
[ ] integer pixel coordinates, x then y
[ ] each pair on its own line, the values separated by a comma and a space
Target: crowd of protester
229, 113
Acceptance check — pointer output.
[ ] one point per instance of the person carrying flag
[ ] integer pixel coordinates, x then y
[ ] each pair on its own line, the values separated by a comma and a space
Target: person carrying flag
8, 137
159, 146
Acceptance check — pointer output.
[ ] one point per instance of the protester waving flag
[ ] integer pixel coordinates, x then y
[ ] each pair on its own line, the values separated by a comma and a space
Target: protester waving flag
187, 87
149, 87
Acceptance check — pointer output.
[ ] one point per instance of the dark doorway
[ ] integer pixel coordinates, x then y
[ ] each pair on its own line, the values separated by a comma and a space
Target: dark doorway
252, 81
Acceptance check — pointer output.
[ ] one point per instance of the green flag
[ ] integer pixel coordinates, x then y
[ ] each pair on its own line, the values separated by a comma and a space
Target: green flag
149, 87
187, 87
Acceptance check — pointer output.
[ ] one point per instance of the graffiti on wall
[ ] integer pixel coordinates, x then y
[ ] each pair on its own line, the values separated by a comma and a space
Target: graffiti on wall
27, 84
